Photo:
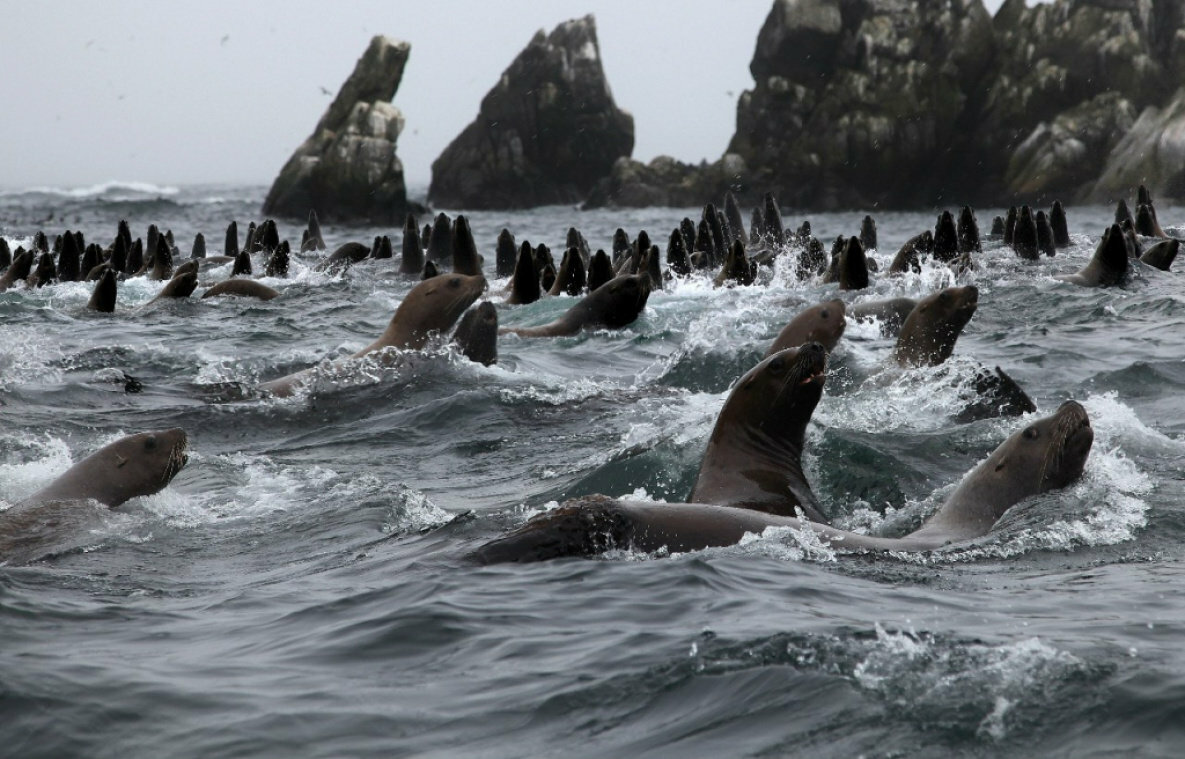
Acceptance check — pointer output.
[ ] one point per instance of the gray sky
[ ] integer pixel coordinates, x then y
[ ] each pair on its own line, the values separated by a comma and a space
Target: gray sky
224, 91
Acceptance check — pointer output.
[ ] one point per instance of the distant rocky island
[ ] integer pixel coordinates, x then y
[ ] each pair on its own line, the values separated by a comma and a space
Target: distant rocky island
856, 104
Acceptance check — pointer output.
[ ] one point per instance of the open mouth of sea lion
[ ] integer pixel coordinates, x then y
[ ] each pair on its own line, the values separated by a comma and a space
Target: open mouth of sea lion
812, 364
178, 458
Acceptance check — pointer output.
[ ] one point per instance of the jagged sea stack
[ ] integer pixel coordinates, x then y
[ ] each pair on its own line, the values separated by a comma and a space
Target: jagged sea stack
347, 169
546, 132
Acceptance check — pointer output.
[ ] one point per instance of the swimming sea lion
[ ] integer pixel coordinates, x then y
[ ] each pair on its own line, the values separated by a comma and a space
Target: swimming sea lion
18, 271
1024, 236
431, 307
822, 323
466, 259
571, 278
132, 466
910, 255
1047, 454
652, 265
687, 229
771, 214
930, 331
1044, 234
1162, 254
997, 395
315, 240
677, 259
1131, 240
1123, 213
162, 262
440, 244
1057, 221
891, 313
1109, 266
242, 265
812, 259
946, 238
70, 259
103, 296
968, 232
429, 271
736, 268
1146, 223
5, 254
180, 286
600, 270
849, 266
135, 260
868, 233
621, 245
199, 246
277, 262
247, 288
613, 305
754, 455
507, 254
1010, 226
45, 273
411, 260
90, 259
997, 232
477, 334
231, 245
524, 283
736, 223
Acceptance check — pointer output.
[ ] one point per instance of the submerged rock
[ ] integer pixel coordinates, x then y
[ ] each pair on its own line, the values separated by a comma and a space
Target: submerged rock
546, 132
347, 169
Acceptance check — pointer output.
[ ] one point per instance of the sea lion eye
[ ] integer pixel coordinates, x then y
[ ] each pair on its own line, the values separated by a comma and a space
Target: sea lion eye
1032, 433
150, 443
778, 365
824, 313
454, 282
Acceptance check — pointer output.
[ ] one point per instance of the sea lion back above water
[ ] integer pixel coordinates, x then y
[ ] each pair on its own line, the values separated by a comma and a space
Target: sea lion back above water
614, 305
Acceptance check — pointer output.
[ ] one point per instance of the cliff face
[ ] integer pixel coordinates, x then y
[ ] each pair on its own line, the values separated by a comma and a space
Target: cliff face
546, 132
862, 102
347, 169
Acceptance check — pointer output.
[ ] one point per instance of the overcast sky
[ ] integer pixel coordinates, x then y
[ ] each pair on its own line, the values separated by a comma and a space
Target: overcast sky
224, 91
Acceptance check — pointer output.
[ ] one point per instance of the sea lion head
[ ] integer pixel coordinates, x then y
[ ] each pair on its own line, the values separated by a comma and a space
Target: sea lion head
436, 303
1047, 454
135, 465
929, 333
780, 393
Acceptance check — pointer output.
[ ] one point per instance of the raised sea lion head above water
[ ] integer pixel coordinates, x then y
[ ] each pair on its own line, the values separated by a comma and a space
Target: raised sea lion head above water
754, 456
432, 306
930, 331
1108, 266
822, 323
132, 466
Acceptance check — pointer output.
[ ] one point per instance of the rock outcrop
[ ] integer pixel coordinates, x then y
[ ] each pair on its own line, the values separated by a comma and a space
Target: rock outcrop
347, 169
895, 103
668, 182
546, 132
1152, 153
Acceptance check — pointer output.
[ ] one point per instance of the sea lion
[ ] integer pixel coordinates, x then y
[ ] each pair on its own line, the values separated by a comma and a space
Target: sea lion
736, 222
1057, 221
812, 260
910, 255
968, 232
242, 265
736, 268
247, 288
5, 254
132, 466
124, 232
687, 228
621, 245
1044, 234
192, 265
543, 259
703, 255
18, 271
90, 259
382, 247
103, 296
891, 313
277, 262
135, 260
1024, 236
849, 266
199, 246
997, 232
571, 279
466, 259
45, 273
868, 233
231, 245
431, 307
600, 270
1123, 213
1162, 254
1146, 223
822, 323
930, 331
652, 265
997, 395
180, 286
720, 246
477, 334
524, 283
677, 259
162, 262
771, 214
429, 272
754, 455
1108, 266
440, 244
69, 260
315, 240
1010, 226
613, 305
946, 238
1047, 454
547, 277
506, 255
1131, 240
411, 260
345, 255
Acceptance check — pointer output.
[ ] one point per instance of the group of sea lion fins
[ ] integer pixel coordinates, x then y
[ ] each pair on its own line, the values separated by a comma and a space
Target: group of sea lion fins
751, 475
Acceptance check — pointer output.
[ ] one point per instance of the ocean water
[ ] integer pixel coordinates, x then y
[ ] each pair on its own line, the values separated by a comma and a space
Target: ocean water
300, 590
